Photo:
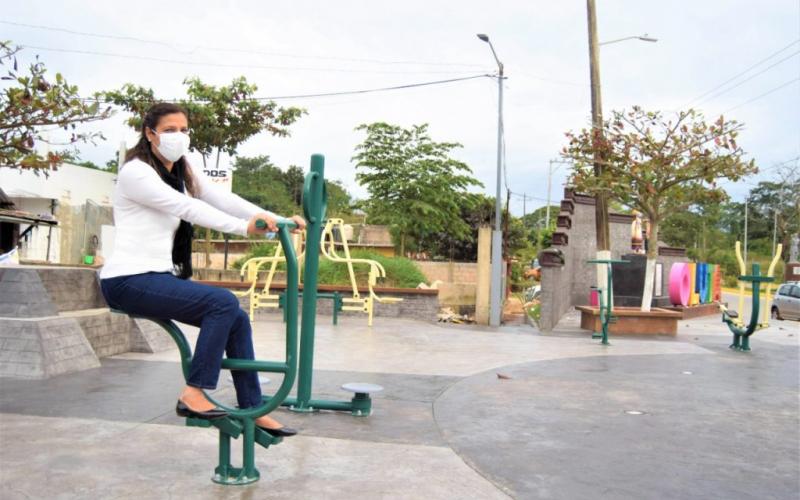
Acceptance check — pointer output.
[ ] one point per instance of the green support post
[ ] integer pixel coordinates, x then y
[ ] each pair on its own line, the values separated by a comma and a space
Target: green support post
606, 309
314, 201
314, 207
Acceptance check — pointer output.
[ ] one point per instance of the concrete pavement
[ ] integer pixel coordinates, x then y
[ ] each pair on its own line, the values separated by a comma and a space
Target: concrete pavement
467, 412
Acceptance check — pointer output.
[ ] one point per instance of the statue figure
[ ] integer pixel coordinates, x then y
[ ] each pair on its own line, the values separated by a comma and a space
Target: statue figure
637, 237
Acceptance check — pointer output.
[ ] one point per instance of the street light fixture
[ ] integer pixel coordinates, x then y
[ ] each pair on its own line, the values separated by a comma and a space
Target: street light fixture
496, 292
644, 38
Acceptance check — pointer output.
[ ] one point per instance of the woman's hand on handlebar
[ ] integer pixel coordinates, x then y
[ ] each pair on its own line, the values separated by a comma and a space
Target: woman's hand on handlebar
301, 223
271, 227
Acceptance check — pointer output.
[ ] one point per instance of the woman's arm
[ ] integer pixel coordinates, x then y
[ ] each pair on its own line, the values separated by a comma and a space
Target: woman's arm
224, 200
138, 182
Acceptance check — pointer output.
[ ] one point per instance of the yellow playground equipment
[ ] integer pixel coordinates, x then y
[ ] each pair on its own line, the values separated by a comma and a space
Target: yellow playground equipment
735, 317
329, 247
266, 297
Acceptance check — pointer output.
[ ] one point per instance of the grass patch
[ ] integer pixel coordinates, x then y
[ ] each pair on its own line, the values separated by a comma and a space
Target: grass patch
400, 272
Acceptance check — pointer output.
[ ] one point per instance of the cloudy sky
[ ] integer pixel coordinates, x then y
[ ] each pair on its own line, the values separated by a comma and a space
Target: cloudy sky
737, 57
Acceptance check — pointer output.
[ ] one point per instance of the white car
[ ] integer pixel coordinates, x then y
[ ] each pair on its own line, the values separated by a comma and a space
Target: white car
786, 303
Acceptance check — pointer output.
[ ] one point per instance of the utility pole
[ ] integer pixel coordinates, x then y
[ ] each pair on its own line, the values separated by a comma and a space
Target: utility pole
549, 183
774, 230
496, 297
746, 200
601, 201
523, 208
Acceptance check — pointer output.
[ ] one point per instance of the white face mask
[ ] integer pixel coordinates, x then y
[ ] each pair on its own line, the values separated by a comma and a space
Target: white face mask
173, 145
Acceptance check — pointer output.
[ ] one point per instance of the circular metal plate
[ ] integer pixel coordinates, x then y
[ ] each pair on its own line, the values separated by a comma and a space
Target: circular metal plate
361, 387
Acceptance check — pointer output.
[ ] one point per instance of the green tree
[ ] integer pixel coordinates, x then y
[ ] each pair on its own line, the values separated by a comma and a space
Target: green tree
260, 182
414, 185
340, 203
29, 103
775, 207
293, 179
476, 210
658, 165
112, 165
537, 232
221, 118
698, 228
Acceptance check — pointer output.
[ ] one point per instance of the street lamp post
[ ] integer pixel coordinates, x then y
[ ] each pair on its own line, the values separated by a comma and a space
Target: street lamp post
496, 290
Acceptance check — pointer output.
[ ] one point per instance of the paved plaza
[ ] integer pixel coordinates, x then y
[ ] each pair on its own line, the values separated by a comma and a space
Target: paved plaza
467, 412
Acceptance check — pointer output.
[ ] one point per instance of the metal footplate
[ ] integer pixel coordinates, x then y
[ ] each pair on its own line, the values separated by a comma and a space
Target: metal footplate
361, 402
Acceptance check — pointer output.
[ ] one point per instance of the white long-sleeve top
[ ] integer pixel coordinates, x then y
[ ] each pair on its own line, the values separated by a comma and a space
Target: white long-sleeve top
147, 212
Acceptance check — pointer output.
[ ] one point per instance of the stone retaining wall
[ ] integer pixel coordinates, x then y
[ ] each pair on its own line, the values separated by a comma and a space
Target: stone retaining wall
53, 320
413, 305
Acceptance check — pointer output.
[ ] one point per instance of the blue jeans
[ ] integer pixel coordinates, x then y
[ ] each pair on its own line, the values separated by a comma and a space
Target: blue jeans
223, 325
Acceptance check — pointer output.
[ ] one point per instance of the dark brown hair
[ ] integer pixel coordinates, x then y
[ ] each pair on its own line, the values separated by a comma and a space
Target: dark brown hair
144, 152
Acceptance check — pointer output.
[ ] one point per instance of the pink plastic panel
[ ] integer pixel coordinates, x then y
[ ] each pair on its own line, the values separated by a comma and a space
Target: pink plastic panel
680, 284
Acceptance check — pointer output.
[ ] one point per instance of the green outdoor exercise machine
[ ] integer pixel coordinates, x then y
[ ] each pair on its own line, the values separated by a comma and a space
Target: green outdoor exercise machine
314, 207
741, 332
241, 422
607, 306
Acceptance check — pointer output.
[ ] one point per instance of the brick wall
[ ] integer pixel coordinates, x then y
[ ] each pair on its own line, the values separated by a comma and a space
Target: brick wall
449, 272
374, 234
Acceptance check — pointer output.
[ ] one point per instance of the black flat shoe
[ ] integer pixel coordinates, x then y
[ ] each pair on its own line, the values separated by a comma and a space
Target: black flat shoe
184, 411
282, 432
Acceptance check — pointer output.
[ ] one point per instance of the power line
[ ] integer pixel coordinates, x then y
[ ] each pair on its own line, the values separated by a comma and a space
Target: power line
330, 94
225, 65
744, 72
228, 49
763, 95
714, 96
528, 197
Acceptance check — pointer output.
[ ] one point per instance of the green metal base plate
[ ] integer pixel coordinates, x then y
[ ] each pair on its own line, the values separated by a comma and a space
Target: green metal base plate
303, 409
233, 476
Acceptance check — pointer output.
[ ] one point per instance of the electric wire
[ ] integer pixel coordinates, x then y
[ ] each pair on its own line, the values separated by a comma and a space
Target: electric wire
765, 94
229, 49
714, 96
330, 94
227, 65
744, 72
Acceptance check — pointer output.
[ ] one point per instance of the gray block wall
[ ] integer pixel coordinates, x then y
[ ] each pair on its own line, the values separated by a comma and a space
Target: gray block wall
569, 285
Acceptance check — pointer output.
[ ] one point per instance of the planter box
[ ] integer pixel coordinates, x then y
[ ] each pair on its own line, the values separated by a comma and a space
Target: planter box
632, 321
697, 311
